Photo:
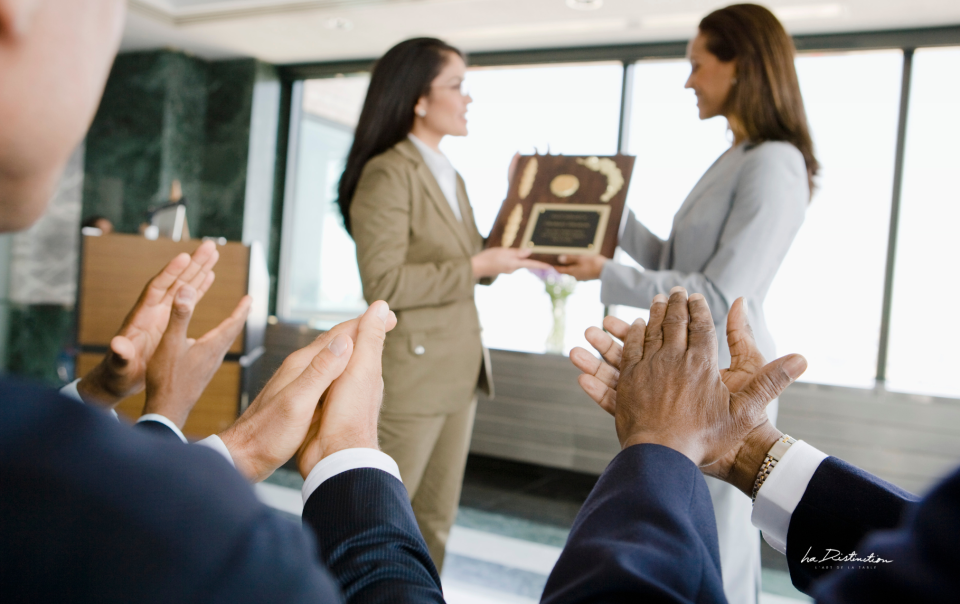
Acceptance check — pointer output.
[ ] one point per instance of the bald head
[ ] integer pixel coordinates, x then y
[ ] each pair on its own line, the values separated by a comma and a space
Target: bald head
55, 56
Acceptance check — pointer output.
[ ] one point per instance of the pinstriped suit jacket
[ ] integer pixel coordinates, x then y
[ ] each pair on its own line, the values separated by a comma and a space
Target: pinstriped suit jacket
94, 511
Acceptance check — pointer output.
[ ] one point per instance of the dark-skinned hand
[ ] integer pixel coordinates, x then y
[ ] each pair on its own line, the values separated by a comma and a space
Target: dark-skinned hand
182, 367
581, 267
699, 431
122, 372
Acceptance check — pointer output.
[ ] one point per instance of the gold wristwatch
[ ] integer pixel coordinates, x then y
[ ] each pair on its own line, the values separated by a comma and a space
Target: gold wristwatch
774, 455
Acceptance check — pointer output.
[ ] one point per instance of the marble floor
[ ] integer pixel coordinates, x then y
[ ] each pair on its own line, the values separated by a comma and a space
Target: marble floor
513, 522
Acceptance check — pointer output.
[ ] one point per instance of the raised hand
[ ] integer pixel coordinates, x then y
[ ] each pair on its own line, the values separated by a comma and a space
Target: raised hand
347, 418
275, 425
122, 372
599, 378
182, 367
670, 391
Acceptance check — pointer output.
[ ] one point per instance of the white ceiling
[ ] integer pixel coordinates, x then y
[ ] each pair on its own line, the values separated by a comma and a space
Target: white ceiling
288, 31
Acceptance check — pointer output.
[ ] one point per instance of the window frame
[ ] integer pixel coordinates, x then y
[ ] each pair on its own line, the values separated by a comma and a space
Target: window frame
905, 40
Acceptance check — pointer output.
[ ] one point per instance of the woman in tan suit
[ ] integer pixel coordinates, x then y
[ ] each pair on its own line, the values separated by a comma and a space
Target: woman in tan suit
418, 248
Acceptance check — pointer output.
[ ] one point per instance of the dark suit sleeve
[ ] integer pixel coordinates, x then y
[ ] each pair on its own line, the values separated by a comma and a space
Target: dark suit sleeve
94, 511
368, 538
841, 504
922, 553
645, 534
157, 429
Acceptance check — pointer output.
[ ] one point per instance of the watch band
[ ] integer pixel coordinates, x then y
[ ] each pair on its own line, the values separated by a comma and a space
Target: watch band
775, 454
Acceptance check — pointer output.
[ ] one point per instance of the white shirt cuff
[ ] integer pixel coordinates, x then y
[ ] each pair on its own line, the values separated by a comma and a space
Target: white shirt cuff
70, 391
156, 417
782, 490
343, 461
214, 442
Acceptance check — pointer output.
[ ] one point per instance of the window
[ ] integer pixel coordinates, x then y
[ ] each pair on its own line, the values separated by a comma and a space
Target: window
923, 356
572, 109
853, 104
317, 285
673, 149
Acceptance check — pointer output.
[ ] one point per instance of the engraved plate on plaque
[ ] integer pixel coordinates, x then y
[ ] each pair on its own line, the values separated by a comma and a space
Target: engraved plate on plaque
566, 228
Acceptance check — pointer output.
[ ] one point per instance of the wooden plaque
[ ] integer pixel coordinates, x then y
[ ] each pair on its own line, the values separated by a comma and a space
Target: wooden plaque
563, 204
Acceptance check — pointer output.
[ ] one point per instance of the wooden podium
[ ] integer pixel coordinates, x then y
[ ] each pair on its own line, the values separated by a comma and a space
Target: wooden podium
114, 270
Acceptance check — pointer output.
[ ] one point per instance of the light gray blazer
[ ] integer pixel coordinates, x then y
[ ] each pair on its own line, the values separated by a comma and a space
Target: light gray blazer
728, 239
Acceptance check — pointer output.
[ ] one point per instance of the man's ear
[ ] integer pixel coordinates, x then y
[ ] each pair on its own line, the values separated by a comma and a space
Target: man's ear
15, 17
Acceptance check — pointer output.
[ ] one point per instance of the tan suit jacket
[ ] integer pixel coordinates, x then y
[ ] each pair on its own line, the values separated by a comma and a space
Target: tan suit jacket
414, 253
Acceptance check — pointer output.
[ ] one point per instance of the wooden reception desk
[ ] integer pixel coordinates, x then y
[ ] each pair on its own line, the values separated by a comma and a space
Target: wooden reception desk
113, 271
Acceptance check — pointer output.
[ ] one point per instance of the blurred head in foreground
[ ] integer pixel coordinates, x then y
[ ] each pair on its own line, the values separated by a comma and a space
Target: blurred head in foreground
54, 60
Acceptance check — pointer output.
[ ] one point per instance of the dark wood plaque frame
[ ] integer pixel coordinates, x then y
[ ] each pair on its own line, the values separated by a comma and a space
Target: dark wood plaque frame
593, 185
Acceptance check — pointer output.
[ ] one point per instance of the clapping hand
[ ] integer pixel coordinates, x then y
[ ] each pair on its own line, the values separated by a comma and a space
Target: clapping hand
664, 387
122, 372
182, 367
277, 422
348, 415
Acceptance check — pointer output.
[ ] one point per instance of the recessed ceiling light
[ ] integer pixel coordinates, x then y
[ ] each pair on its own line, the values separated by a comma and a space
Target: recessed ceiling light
585, 4
340, 23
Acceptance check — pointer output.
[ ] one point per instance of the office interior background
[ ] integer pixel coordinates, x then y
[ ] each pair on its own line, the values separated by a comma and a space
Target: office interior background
251, 105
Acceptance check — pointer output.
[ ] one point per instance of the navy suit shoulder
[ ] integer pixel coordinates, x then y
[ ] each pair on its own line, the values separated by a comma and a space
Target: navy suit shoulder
841, 504
646, 533
95, 511
921, 556
369, 538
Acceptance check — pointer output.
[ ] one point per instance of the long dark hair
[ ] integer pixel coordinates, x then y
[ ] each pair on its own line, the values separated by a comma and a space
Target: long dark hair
766, 102
399, 79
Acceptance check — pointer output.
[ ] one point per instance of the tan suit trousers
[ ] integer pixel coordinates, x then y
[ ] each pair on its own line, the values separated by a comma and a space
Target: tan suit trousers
431, 451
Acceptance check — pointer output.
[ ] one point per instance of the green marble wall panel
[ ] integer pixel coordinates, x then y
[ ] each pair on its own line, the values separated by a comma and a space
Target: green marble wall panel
124, 145
229, 108
37, 335
183, 136
164, 116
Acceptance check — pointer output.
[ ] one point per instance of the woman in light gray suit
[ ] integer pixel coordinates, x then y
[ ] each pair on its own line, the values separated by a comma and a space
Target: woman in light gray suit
734, 229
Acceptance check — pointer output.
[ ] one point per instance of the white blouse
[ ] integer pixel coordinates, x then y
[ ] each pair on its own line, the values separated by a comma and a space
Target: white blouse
442, 170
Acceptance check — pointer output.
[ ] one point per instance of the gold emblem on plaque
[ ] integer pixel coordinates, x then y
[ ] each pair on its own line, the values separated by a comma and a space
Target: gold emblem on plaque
529, 175
512, 227
564, 185
608, 168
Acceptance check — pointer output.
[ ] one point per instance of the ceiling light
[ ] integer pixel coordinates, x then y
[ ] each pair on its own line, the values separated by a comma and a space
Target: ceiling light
585, 4
339, 23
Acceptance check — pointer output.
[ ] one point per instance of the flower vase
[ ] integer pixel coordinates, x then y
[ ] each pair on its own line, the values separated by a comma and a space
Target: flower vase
556, 338
558, 287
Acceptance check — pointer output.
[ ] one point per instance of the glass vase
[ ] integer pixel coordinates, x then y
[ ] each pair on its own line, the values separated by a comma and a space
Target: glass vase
556, 338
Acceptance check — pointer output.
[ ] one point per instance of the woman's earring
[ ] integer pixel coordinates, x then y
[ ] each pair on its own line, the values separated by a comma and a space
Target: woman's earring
422, 112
